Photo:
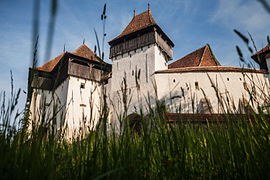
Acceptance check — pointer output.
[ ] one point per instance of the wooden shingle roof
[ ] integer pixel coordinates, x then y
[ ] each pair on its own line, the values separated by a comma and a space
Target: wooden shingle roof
85, 52
82, 51
139, 22
200, 57
48, 66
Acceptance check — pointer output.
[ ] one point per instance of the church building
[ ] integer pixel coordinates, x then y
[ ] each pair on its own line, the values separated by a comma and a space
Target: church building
75, 87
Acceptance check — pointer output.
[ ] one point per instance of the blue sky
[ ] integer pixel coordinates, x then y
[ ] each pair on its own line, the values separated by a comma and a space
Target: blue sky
189, 23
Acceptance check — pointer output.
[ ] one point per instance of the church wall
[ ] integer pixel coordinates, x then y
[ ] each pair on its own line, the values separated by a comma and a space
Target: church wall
179, 90
160, 61
131, 65
83, 105
50, 103
140, 64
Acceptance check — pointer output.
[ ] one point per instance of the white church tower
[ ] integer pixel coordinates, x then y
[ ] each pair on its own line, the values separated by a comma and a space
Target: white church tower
140, 50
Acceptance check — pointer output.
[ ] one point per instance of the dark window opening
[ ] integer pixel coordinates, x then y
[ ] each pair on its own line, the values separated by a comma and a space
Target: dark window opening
139, 73
80, 62
228, 79
82, 85
196, 85
174, 80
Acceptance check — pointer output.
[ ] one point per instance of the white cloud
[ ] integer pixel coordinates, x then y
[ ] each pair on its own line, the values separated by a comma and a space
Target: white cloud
247, 15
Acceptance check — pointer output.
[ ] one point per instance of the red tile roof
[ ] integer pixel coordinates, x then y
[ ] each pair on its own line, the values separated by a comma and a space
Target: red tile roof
262, 51
210, 69
85, 52
139, 22
82, 51
200, 57
48, 67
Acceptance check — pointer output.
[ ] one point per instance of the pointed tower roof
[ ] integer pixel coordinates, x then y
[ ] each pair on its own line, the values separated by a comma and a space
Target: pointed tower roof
82, 51
140, 22
200, 57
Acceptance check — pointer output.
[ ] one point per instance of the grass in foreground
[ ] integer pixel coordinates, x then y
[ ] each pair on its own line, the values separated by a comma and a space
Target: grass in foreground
236, 149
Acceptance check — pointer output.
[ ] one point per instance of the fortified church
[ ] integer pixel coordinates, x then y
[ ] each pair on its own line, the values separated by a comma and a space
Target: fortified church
74, 87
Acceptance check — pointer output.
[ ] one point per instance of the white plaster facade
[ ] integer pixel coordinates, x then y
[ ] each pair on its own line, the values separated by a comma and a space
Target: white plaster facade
187, 91
75, 104
137, 69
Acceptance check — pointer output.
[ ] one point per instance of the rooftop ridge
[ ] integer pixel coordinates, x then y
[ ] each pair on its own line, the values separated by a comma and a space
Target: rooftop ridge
200, 57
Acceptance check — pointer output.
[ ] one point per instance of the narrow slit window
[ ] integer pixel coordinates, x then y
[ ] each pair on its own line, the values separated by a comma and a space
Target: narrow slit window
196, 85
139, 73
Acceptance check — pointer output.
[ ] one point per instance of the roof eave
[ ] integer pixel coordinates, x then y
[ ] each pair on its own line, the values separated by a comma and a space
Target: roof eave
115, 40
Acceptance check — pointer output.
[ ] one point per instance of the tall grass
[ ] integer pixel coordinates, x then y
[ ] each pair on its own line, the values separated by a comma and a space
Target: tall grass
237, 148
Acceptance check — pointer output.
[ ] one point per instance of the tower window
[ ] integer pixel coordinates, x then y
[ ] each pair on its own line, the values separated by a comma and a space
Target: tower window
228, 79
132, 73
82, 86
174, 80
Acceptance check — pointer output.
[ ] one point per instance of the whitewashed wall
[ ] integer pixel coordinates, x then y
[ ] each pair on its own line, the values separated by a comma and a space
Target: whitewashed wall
143, 62
179, 90
44, 105
83, 105
77, 108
